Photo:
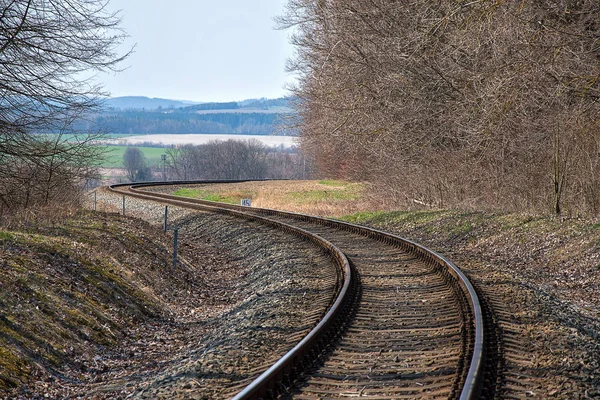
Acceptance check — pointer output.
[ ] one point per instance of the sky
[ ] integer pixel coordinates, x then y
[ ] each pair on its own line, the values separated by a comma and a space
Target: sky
201, 50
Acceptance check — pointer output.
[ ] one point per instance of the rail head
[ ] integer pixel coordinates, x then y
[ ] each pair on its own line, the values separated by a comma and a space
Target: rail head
474, 380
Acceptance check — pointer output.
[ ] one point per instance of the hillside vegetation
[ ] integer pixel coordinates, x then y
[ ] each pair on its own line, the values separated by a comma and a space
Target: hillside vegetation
454, 104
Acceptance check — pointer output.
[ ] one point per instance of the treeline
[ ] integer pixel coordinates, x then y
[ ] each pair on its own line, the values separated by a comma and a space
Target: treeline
468, 104
234, 159
179, 121
267, 103
231, 159
213, 106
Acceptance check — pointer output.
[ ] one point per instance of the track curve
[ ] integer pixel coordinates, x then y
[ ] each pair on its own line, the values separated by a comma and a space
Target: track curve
390, 349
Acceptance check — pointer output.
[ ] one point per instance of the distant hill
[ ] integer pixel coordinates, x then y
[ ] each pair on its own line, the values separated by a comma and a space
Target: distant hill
142, 115
213, 106
141, 102
146, 103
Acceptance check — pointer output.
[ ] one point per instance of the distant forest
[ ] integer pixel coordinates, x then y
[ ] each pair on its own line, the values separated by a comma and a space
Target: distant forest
250, 117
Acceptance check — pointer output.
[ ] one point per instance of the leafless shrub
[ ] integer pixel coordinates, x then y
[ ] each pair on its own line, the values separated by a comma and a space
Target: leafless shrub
136, 167
233, 159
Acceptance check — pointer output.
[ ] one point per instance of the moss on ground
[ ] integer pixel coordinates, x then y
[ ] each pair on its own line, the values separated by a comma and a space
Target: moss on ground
334, 191
68, 289
333, 182
5, 236
13, 370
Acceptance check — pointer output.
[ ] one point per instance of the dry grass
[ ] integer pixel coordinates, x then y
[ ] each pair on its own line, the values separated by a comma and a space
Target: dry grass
53, 215
326, 197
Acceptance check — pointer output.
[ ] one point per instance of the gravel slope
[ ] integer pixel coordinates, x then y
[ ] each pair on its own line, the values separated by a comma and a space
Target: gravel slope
540, 277
241, 294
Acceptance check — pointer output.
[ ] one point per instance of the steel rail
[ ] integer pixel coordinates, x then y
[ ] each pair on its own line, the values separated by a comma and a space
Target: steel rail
268, 379
474, 380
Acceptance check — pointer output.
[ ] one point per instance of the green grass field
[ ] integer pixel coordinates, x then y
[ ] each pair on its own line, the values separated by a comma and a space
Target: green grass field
114, 156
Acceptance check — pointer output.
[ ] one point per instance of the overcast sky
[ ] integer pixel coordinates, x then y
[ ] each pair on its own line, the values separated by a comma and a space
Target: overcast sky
202, 50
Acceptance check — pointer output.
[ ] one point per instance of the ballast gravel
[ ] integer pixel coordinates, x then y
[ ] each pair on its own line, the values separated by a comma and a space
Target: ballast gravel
281, 287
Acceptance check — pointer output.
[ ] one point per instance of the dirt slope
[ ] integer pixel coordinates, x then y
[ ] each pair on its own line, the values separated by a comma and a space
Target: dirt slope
70, 292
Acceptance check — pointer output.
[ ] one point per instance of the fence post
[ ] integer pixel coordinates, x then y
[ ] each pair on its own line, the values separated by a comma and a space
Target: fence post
95, 199
166, 217
175, 234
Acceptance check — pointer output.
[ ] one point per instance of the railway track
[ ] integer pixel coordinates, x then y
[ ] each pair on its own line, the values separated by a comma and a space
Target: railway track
406, 323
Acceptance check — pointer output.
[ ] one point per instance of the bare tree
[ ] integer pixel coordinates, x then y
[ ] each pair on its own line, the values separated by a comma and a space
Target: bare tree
49, 49
453, 103
135, 165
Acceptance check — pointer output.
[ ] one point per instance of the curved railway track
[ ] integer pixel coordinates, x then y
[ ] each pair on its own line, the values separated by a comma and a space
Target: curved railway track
406, 322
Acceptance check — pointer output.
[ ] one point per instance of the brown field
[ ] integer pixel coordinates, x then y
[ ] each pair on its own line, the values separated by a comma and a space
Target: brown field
325, 197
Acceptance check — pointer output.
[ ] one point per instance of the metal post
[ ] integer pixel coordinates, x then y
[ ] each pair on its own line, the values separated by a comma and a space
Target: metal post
95, 199
175, 234
123, 205
166, 217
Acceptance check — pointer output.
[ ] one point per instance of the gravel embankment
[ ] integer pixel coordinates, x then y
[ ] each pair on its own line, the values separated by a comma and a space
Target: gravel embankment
281, 282
549, 330
540, 278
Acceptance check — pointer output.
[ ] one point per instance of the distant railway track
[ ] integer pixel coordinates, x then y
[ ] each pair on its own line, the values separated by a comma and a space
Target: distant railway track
405, 323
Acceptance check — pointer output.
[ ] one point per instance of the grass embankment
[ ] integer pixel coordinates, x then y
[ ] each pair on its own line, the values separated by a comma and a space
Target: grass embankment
326, 197
74, 286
